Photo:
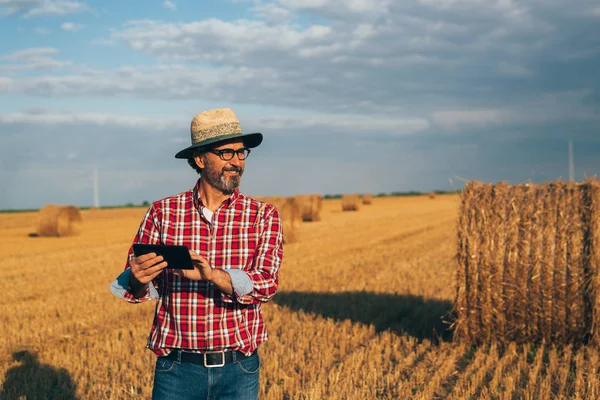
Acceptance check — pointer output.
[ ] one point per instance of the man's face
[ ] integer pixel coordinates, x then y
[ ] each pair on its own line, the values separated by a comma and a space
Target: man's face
221, 174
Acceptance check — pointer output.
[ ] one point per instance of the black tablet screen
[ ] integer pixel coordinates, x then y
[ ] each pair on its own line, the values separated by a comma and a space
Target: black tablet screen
177, 257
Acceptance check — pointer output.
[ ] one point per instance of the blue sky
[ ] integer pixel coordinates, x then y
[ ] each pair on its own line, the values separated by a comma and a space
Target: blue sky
351, 95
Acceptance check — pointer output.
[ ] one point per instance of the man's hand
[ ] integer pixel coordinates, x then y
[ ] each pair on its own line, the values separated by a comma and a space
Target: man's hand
202, 270
146, 267
143, 270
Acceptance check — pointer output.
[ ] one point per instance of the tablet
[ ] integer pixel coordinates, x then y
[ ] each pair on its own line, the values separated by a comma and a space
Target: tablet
177, 257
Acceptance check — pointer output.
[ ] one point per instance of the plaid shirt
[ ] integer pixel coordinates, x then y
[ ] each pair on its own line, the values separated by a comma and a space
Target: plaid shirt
245, 234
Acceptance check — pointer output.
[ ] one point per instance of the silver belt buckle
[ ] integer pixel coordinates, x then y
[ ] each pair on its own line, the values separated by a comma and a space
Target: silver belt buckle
215, 365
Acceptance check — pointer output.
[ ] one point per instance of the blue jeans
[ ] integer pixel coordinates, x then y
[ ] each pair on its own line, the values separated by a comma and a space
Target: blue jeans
174, 380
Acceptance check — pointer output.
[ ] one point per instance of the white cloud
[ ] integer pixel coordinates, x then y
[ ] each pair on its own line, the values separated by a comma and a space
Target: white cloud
273, 13
6, 84
41, 117
43, 31
508, 6
341, 8
55, 7
15, 6
33, 8
452, 119
40, 58
343, 123
169, 81
71, 27
217, 40
514, 70
169, 4
551, 107
364, 31
26, 55
340, 123
102, 41
413, 59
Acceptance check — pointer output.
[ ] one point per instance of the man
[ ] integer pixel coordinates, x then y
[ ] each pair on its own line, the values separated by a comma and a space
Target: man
208, 322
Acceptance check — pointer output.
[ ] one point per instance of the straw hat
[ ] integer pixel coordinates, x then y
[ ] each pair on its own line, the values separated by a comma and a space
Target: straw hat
213, 126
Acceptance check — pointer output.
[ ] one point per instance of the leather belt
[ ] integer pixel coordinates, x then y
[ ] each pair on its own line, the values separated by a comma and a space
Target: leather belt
209, 359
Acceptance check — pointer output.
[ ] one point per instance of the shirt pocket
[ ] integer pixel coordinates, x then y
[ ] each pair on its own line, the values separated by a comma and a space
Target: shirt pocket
240, 247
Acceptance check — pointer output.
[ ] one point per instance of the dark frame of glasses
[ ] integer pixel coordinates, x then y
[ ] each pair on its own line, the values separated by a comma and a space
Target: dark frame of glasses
227, 154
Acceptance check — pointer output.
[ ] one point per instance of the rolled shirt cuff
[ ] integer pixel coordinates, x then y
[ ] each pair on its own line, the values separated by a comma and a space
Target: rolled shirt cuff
240, 281
120, 286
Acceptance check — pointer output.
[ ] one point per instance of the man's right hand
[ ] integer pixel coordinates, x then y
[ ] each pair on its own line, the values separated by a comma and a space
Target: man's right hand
143, 270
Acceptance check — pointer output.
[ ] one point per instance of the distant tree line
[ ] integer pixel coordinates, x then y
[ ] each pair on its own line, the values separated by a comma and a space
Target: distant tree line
396, 194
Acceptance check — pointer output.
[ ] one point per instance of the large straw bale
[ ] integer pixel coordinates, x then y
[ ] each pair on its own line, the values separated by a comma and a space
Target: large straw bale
289, 212
528, 263
350, 202
499, 209
310, 206
56, 220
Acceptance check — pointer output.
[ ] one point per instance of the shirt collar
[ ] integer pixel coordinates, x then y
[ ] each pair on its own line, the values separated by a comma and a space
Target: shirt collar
226, 204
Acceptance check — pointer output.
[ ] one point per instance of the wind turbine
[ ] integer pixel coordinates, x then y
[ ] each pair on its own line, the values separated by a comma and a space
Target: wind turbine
96, 196
571, 162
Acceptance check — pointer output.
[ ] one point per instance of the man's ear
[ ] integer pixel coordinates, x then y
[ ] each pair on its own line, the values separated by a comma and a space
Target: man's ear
199, 158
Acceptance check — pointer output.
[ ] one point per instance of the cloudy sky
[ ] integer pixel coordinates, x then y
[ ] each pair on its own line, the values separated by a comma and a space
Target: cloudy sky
351, 95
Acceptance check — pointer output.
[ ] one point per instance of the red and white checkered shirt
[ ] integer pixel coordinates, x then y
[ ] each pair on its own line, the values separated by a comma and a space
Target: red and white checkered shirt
244, 234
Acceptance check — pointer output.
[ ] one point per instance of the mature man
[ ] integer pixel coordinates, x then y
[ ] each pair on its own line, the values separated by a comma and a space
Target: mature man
208, 322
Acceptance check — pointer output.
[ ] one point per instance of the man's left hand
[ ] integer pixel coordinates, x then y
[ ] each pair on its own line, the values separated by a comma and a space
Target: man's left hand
202, 270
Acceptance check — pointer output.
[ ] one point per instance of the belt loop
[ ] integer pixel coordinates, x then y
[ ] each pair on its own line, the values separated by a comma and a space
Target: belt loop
179, 356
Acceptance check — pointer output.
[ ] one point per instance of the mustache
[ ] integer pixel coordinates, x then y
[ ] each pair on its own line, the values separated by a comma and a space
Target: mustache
234, 169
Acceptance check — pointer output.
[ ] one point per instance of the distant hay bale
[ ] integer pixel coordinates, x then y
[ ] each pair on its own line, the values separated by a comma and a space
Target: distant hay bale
59, 221
367, 199
350, 202
289, 213
310, 206
528, 263
432, 195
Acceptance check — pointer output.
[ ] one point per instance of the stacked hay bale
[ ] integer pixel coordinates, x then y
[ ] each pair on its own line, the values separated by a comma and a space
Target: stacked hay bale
528, 263
350, 202
56, 220
310, 206
289, 212
367, 199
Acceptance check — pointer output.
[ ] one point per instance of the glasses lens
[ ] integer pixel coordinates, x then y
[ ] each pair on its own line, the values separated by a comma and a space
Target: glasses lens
243, 153
227, 154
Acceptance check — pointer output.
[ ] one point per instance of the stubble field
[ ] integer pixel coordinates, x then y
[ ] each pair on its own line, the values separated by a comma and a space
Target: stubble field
358, 315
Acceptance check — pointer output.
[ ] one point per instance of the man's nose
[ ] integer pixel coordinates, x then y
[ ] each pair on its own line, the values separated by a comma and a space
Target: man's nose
235, 161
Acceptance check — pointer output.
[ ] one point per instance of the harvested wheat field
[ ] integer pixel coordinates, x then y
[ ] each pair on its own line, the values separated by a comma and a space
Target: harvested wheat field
358, 315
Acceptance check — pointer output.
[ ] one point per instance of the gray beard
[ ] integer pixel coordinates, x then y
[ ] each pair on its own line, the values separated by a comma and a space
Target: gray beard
218, 180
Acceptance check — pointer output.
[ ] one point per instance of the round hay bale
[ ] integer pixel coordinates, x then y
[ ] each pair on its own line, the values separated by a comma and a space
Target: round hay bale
48, 220
367, 199
528, 263
350, 202
59, 221
289, 213
310, 206
69, 221
317, 201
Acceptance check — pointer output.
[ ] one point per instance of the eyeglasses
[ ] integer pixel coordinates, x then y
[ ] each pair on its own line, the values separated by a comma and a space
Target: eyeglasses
227, 154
